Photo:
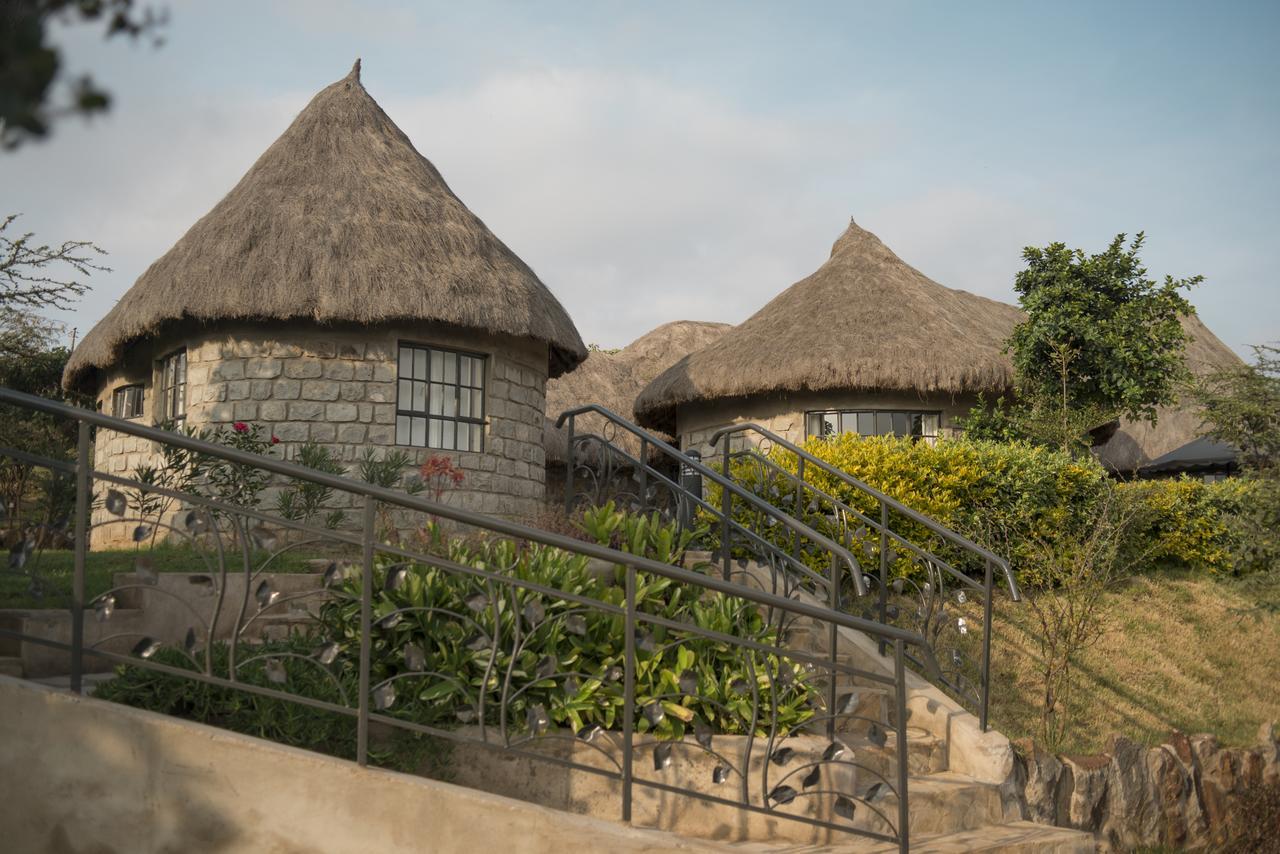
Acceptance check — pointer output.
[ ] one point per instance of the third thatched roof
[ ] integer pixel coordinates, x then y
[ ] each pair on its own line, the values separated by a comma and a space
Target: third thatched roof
341, 220
614, 379
864, 320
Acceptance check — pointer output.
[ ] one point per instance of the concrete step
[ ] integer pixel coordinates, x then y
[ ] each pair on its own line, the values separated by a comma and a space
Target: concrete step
1018, 837
11, 665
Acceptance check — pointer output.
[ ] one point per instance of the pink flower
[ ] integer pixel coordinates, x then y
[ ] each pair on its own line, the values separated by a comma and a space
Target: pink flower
456, 477
240, 427
275, 440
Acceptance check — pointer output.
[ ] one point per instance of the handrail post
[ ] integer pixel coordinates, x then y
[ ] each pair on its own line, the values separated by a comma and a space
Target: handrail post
366, 630
900, 702
795, 535
84, 487
726, 514
884, 568
986, 644
644, 475
628, 692
569, 466
833, 692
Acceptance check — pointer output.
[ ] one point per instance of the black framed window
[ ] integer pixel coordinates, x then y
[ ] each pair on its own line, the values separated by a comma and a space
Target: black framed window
171, 391
874, 422
440, 399
126, 401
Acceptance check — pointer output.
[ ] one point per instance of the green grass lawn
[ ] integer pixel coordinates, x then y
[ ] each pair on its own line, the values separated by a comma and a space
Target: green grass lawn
1180, 651
54, 567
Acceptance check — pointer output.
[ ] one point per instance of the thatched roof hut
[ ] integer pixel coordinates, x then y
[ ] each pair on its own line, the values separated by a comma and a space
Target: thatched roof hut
864, 320
614, 379
341, 220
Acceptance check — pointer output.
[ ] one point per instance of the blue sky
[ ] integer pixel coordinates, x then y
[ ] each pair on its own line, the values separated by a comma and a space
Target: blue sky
664, 161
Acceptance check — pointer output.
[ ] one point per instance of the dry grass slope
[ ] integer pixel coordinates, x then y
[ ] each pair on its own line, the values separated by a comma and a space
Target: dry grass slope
1180, 652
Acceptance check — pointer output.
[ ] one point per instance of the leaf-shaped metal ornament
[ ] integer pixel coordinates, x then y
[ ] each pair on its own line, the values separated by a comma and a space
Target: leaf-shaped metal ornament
961, 597
812, 779
662, 756
538, 719
115, 502
848, 703
334, 573
146, 570
263, 537
189, 642
834, 751
104, 606
18, 554
478, 642
572, 686
956, 658
614, 674
740, 687
962, 625
202, 583
654, 713
390, 621
546, 667
384, 696
534, 613
465, 715
782, 755
845, 807
719, 774
898, 584
782, 795
141, 532
589, 732
327, 653
414, 658
396, 576
275, 671
644, 640
265, 595
689, 683
876, 735
195, 522
861, 533
892, 612
477, 602
575, 624
702, 733
876, 793
146, 647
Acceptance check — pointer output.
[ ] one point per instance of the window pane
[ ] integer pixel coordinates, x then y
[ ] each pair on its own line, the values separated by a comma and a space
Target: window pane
450, 395
404, 395
437, 366
477, 403
917, 422
437, 398
929, 424
451, 367
884, 423
447, 433
419, 397
464, 403
182, 367
901, 424
866, 423
464, 438
435, 433
419, 436
477, 437
464, 370
813, 424
419, 364
402, 429
406, 361
848, 422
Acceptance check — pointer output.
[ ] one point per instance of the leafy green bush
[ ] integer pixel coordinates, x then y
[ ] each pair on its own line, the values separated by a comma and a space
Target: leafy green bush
1187, 523
559, 660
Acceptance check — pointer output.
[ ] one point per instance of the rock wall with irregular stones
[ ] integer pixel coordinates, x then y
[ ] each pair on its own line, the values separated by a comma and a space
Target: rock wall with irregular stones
337, 387
1189, 793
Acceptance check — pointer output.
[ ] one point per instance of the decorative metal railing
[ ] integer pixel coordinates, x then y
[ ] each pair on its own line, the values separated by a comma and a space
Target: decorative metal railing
766, 721
938, 599
607, 472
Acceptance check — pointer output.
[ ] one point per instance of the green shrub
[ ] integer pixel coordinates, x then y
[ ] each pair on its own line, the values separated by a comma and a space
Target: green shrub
1186, 523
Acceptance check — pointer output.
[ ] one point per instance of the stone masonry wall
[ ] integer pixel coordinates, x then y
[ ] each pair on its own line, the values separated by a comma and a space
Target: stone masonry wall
337, 387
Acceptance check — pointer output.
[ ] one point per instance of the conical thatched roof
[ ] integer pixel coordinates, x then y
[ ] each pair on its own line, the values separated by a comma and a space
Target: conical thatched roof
865, 320
614, 379
341, 220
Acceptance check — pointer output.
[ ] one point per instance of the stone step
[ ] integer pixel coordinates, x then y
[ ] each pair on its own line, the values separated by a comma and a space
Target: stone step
1017, 837
11, 665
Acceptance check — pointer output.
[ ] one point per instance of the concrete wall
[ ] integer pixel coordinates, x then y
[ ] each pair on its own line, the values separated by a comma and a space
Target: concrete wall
785, 414
337, 387
81, 775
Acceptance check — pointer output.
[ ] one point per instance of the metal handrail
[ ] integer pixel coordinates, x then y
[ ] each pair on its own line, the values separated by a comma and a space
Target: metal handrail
85, 475
725, 483
897, 506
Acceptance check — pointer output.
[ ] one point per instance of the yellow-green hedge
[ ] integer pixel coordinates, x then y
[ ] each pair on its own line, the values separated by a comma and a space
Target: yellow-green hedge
1186, 522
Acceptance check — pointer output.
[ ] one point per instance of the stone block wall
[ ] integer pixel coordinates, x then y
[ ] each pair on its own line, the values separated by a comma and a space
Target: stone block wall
337, 387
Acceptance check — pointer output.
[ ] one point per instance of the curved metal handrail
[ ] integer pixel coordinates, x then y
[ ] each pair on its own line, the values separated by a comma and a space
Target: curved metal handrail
725, 483
897, 506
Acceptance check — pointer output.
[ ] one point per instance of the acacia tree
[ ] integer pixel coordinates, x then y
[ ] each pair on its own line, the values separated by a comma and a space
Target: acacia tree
37, 275
1100, 340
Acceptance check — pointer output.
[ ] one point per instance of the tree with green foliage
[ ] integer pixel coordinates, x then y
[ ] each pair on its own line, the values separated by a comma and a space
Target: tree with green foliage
1101, 340
30, 62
